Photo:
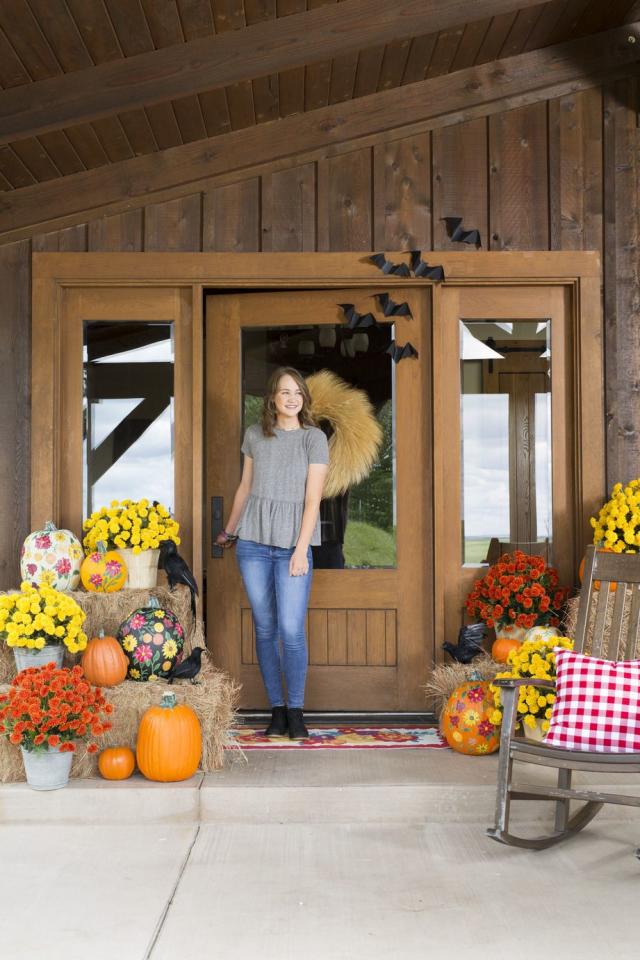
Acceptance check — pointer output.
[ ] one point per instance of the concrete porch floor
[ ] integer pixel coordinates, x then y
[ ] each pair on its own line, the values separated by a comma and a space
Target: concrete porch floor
329, 855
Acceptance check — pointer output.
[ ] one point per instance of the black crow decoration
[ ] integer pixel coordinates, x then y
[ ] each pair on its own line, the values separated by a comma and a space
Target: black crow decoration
469, 645
457, 235
189, 668
177, 570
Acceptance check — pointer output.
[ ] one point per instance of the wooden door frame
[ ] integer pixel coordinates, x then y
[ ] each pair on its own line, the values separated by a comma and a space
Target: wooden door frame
54, 273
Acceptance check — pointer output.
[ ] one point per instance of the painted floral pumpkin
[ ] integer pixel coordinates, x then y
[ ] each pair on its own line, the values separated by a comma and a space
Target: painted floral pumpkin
51, 554
465, 723
152, 639
103, 571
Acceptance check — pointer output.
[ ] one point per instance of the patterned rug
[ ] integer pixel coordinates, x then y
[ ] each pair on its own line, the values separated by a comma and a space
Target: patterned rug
341, 738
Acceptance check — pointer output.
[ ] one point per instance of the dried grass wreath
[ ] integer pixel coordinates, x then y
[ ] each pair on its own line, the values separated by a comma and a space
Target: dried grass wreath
357, 435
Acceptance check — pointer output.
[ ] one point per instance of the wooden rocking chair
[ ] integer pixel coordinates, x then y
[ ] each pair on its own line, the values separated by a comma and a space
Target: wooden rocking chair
618, 643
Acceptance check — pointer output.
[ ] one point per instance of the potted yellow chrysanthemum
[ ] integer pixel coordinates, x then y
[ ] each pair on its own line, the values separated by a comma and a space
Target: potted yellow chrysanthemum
535, 659
135, 528
38, 623
617, 526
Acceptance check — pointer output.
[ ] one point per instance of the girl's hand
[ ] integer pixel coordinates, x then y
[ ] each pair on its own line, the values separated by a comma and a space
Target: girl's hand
298, 564
224, 540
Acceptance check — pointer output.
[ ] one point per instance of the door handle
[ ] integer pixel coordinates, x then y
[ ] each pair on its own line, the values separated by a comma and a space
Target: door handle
217, 520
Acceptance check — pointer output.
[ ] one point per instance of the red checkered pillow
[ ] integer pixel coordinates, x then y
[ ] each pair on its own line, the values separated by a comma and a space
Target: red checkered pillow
597, 706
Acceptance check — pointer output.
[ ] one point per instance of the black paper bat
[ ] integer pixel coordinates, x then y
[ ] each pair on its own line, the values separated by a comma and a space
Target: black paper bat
457, 234
399, 269
398, 353
392, 309
424, 270
355, 319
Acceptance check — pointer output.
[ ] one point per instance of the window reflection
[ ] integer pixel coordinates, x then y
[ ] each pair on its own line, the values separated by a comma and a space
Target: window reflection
506, 437
128, 413
359, 528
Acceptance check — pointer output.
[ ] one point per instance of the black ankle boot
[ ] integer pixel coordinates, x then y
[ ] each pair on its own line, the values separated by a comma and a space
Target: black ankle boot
297, 729
278, 726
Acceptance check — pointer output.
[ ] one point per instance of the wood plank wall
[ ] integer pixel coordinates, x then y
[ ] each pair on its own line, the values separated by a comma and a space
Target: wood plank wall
557, 175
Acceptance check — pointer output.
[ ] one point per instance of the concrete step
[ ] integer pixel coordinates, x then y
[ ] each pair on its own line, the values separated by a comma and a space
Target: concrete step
277, 786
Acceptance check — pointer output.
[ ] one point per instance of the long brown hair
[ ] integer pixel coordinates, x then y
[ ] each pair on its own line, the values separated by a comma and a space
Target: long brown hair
269, 413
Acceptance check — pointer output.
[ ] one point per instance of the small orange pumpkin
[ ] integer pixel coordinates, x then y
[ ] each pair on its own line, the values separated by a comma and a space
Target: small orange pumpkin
116, 763
103, 571
502, 647
104, 661
596, 583
169, 741
466, 719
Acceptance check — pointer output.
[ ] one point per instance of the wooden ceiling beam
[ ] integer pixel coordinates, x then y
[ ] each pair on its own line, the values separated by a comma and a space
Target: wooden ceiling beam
231, 57
441, 101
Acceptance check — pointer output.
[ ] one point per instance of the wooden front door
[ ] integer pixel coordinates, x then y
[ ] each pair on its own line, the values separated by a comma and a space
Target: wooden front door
370, 625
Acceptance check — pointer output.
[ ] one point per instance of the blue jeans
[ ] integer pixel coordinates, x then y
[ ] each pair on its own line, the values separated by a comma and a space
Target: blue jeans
279, 604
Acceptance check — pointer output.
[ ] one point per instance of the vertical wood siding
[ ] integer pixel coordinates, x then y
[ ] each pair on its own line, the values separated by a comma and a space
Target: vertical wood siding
561, 175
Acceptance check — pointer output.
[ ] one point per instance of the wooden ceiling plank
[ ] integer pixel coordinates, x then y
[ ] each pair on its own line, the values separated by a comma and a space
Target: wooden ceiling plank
96, 29
265, 89
12, 71
599, 16
164, 125
185, 69
166, 31
36, 159
368, 71
4, 183
14, 170
545, 26
470, 44
568, 21
444, 52
138, 132
88, 146
419, 57
112, 137
62, 34
28, 41
290, 82
343, 77
495, 38
228, 17
394, 62
196, 18
62, 152
197, 22
317, 76
446, 100
523, 25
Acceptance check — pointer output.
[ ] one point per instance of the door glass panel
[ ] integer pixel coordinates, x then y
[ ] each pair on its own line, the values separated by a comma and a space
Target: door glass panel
359, 528
506, 436
128, 413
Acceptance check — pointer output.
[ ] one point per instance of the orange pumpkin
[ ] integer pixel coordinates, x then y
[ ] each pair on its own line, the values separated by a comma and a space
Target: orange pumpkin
502, 647
169, 741
596, 583
465, 721
103, 571
116, 763
104, 661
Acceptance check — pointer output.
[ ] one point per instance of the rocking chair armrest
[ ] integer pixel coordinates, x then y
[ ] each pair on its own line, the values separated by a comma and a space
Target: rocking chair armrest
512, 683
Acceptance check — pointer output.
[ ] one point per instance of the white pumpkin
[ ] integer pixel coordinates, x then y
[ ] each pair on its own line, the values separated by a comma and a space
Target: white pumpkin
54, 552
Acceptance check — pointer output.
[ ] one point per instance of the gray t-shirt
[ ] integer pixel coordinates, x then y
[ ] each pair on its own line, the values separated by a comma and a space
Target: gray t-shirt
274, 508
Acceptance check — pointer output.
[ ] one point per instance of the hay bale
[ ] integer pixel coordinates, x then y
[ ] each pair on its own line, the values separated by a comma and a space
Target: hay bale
571, 622
214, 700
106, 611
446, 677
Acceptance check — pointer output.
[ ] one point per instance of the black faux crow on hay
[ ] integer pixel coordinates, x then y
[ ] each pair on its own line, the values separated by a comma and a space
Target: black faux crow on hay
189, 668
177, 570
469, 645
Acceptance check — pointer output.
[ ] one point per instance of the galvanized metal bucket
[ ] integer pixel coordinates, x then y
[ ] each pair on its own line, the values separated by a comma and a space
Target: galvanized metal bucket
48, 769
37, 658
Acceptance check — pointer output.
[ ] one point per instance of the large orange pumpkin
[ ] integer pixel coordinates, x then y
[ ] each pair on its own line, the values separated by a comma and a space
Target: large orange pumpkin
103, 571
116, 763
104, 661
169, 741
502, 647
465, 721
596, 583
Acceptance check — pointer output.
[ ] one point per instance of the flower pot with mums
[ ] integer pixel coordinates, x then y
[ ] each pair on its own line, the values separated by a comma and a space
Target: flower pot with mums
135, 528
519, 591
38, 623
535, 659
45, 712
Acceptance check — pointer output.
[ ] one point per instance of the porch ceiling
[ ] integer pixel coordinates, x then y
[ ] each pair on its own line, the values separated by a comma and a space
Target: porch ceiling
115, 91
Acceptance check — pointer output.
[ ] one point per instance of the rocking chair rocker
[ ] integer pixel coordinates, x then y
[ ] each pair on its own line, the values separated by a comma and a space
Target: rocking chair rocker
620, 643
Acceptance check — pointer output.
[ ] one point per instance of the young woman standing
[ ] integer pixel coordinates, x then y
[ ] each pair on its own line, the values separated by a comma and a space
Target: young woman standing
275, 519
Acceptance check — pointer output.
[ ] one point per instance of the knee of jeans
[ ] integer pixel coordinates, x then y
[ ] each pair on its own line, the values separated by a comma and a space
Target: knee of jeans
292, 634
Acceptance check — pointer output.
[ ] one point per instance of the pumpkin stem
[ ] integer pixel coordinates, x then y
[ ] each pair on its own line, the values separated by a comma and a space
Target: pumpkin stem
154, 602
168, 701
101, 546
475, 675
50, 526
101, 634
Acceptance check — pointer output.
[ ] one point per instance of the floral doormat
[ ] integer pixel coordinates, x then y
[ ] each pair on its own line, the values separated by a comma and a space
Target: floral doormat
351, 737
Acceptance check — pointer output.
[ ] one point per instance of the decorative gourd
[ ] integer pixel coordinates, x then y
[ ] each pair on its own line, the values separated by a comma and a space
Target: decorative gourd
169, 741
465, 721
104, 662
103, 571
116, 763
54, 554
152, 640
596, 583
502, 647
